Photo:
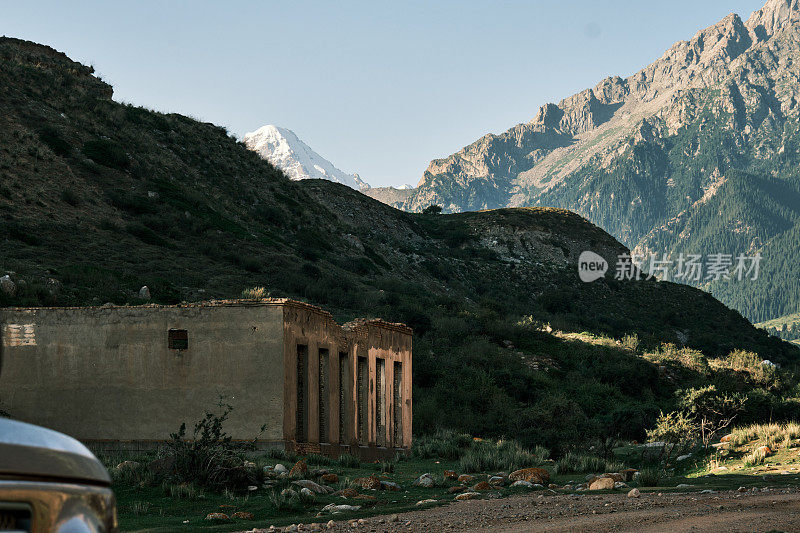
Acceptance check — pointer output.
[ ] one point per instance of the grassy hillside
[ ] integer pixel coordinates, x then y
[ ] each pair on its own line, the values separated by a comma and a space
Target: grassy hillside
99, 198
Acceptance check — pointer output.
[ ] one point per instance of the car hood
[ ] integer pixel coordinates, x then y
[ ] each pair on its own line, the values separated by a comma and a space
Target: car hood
32, 452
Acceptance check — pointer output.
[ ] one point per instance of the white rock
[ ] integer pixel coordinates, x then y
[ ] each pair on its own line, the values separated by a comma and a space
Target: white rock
522, 484
144, 293
425, 502
634, 493
306, 492
279, 469
340, 508
683, 457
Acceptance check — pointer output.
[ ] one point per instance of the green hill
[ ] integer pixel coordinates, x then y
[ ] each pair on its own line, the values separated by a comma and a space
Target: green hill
98, 199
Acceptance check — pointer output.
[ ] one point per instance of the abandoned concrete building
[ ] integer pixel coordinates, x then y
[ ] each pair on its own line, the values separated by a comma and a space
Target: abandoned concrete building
127, 377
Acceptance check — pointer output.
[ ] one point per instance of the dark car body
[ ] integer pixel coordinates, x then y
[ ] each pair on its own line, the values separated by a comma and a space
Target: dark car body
50, 482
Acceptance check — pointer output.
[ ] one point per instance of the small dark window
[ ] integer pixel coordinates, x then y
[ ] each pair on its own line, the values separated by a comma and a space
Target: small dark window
178, 339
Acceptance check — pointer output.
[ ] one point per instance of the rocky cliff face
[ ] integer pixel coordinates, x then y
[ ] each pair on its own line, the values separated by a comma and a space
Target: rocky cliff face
644, 156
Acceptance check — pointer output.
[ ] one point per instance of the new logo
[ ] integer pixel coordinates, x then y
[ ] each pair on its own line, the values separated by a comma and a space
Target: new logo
591, 266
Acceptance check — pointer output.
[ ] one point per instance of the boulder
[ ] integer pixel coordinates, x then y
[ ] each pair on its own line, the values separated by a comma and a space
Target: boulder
337, 508
481, 485
329, 478
372, 482
306, 493
217, 516
8, 286
390, 485
620, 485
466, 478
534, 475
425, 502
316, 488
766, 450
243, 515
522, 484
456, 489
280, 469
634, 493
681, 458
144, 293
299, 469
496, 481
468, 496
602, 483
425, 480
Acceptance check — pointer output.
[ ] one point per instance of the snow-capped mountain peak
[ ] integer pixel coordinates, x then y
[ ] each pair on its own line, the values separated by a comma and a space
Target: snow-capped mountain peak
282, 148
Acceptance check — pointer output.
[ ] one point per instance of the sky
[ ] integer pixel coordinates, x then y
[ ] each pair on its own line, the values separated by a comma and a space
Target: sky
378, 88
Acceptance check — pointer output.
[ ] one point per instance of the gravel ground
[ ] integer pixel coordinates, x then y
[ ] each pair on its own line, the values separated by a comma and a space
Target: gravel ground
765, 510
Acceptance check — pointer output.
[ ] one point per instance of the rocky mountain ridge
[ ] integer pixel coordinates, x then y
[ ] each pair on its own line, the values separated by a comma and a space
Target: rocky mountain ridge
649, 157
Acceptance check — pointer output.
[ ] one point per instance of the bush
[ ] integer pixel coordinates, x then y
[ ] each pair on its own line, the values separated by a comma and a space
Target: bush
208, 458
347, 460
52, 138
578, 463
503, 455
444, 444
106, 153
649, 477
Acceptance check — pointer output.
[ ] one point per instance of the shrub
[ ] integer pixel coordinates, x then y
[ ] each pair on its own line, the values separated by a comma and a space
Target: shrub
208, 458
106, 153
505, 455
71, 197
650, 477
347, 460
630, 342
256, 293
573, 462
444, 444
52, 138
756, 457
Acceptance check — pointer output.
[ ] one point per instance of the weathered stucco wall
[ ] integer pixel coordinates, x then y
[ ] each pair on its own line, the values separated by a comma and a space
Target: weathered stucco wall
108, 373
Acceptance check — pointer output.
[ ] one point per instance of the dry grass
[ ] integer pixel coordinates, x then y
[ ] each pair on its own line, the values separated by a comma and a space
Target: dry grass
773, 435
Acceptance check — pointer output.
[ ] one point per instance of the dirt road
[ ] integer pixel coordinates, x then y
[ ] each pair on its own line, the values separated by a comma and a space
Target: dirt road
762, 511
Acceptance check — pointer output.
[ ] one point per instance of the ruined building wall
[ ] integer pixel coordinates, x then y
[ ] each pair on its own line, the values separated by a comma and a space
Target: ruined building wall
109, 373
341, 392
